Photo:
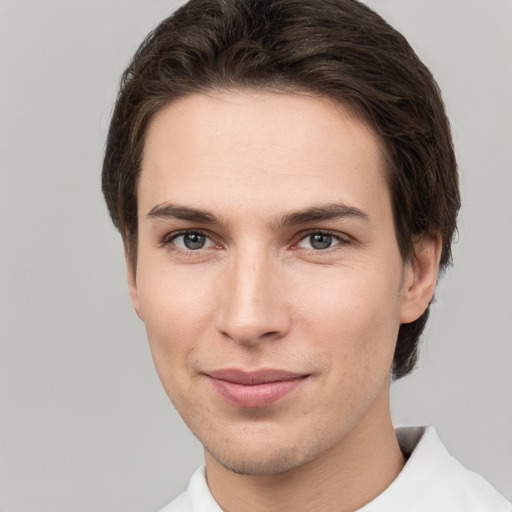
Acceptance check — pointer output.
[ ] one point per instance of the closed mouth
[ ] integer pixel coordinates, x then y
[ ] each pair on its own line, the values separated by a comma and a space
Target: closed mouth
254, 389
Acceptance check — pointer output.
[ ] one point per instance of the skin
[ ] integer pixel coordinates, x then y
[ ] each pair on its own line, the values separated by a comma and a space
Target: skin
260, 293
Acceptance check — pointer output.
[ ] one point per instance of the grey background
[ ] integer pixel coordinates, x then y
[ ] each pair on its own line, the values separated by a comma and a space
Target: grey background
84, 424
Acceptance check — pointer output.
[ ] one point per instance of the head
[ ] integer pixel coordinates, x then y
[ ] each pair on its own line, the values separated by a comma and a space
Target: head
336, 51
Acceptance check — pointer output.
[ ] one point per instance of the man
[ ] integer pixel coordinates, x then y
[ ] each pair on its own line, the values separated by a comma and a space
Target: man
283, 177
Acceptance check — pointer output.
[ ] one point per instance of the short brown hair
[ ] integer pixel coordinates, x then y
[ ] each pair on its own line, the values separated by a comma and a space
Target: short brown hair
339, 49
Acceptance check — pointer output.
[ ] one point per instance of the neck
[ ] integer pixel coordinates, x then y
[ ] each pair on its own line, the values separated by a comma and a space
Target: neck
346, 477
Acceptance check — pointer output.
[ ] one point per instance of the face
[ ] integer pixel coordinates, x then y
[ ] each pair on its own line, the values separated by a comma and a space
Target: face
268, 274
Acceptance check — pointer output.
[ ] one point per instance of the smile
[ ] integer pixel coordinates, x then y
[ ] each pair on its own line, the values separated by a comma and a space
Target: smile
254, 389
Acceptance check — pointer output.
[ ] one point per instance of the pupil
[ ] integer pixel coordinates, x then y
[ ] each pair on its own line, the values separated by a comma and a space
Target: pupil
194, 240
320, 241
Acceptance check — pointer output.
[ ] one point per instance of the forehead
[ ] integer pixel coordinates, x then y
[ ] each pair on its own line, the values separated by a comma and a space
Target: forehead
279, 149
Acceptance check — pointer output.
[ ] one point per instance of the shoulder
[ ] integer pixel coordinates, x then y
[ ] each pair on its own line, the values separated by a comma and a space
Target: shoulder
197, 497
433, 480
179, 504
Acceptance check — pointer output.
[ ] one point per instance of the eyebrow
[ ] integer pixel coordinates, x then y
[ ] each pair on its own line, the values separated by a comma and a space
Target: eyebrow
322, 213
307, 215
170, 211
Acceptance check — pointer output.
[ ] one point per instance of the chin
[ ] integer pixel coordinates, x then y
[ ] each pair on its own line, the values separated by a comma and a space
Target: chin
281, 461
271, 458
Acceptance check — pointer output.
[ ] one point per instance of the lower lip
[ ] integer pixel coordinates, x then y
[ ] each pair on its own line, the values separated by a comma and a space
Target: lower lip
255, 395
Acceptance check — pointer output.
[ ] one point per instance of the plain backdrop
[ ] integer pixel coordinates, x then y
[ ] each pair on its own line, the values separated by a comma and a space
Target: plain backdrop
84, 423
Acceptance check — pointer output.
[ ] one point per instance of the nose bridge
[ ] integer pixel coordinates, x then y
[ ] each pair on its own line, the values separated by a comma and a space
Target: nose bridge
252, 306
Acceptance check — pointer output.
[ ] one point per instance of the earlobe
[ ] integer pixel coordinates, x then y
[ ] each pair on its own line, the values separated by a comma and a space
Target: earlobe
420, 278
131, 275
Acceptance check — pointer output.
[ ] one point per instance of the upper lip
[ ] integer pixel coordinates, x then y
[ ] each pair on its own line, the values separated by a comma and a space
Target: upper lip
253, 377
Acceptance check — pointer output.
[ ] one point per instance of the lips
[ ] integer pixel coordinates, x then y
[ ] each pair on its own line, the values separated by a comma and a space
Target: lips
255, 389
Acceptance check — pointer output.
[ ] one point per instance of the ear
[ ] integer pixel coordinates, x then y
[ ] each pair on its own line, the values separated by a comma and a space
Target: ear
131, 275
420, 278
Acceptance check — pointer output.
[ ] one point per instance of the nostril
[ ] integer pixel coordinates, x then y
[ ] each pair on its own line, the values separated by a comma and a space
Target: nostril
250, 337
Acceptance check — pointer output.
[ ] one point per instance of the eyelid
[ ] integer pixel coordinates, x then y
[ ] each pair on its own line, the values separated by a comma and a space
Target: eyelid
167, 240
341, 238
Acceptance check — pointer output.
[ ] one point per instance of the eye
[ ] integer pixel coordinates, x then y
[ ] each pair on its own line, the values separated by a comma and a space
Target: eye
191, 241
319, 241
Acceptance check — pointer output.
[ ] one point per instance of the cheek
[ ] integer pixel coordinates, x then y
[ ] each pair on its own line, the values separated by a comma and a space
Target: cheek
349, 297
175, 311
353, 316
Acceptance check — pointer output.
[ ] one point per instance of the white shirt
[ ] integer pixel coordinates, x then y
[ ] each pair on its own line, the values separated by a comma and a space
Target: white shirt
431, 481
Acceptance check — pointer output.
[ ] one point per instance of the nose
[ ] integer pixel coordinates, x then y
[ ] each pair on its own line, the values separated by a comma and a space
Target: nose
252, 300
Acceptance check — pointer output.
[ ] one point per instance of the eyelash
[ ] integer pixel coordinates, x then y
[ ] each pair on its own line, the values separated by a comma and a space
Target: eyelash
341, 240
168, 239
